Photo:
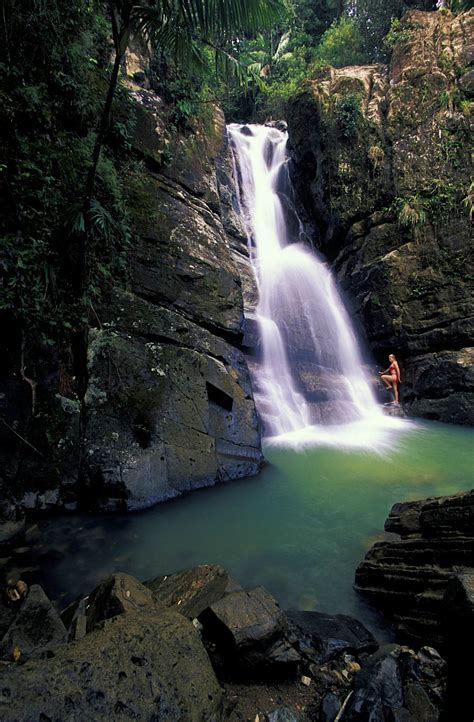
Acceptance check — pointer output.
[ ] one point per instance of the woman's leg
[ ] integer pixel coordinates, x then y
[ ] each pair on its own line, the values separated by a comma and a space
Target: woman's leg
395, 391
387, 381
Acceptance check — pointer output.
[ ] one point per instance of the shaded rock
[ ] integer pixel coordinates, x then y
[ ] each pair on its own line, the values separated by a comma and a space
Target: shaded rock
395, 684
192, 591
12, 519
458, 627
7, 615
157, 670
284, 714
408, 578
36, 628
119, 594
319, 637
249, 631
330, 706
74, 619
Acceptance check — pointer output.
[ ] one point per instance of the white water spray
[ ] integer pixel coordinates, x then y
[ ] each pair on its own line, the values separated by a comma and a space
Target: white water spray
310, 383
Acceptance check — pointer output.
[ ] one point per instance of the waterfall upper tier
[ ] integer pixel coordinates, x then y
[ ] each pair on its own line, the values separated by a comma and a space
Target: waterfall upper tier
309, 371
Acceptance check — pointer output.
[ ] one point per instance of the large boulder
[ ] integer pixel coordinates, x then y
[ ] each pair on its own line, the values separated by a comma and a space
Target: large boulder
36, 629
149, 667
319, 637
407, 578
249, 631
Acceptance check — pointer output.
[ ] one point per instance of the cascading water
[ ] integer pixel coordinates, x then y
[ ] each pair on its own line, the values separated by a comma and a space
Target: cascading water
310, 375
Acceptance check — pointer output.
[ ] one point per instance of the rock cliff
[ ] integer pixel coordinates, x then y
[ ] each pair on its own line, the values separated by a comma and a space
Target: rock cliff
170, 405
381, 161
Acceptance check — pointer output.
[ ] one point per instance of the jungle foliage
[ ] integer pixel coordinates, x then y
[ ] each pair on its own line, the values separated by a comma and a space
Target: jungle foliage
67, 121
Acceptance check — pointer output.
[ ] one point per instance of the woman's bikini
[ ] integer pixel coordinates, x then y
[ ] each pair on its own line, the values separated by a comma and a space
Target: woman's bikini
393, 371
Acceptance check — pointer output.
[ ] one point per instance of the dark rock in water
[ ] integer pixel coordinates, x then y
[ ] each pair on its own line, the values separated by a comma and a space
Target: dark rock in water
192, 591
119, 594
278, 124
151, 667
397, 685
458, 618
395, 411
36, 628
407, 578
245, 130
249, 630
322, 636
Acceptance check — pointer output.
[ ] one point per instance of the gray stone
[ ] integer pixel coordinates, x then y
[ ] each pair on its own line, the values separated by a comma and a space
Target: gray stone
37, 627
250, 633
407, 578
137, 666
118, 594
321, 637
285, 714
330, 706
192, 591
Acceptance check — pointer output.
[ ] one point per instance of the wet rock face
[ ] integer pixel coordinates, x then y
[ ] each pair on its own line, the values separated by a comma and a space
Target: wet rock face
170, 404
381, 159
408, 578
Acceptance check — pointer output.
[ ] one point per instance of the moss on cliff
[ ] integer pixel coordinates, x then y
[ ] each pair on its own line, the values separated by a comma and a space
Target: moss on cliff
390, 193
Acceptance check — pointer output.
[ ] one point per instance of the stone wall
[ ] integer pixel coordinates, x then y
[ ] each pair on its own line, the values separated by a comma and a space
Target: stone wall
381, 159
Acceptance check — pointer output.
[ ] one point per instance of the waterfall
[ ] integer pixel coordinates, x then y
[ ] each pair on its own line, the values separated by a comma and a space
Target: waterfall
310, 377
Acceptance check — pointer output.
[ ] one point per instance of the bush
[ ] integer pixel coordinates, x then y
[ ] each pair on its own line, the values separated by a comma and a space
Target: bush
347, 114
342, 44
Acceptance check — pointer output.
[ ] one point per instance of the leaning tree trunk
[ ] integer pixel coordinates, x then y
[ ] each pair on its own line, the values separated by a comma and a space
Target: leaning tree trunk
81, 337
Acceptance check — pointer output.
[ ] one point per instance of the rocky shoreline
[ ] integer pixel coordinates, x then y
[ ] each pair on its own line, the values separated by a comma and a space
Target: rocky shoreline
196, 646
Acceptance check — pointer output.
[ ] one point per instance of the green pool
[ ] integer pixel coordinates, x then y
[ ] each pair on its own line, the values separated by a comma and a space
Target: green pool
299, 529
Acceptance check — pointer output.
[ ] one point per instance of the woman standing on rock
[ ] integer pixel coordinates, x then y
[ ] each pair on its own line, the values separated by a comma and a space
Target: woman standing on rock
391, 376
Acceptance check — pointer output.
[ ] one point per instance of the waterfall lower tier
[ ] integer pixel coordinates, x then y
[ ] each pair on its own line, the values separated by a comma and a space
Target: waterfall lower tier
309, 375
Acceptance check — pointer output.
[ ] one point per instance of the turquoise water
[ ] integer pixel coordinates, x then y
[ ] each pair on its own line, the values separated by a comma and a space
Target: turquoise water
300, 528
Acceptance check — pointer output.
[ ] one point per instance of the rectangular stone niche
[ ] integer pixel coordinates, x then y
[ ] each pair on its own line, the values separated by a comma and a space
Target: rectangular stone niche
219, 397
